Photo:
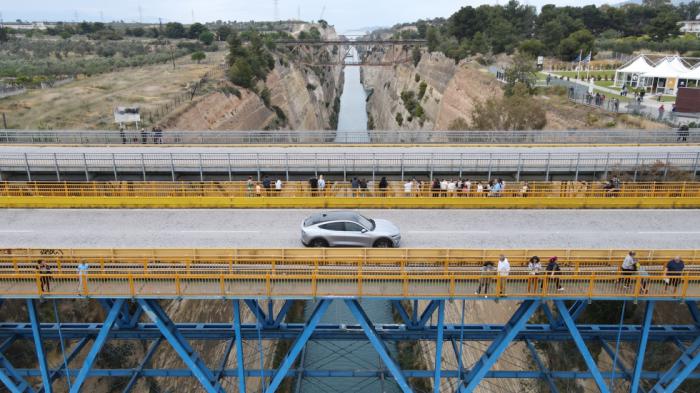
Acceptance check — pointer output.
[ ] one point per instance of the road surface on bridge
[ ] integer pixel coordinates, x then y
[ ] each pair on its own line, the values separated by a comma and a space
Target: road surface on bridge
600, 229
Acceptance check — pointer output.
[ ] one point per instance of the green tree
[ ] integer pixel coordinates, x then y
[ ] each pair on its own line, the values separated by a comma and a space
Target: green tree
195, 30
198, 56
480, 44
532, 47
417, 55
206, 37
241, 74
4, 34
664, 25
433, 38
578, 42
521, 74
175, 30
519, 111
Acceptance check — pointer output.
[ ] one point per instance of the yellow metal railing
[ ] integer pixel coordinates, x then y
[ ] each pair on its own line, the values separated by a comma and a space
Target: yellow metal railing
183, 285
345, 190
314, 259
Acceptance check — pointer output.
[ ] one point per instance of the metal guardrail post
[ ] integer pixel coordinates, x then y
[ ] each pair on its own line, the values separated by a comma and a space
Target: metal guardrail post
55, 165
431, 165
520, 160
172, 167
114, 167
257, 163
461, 164
668, 163
636, 167
230, 174
201, 169
374, 166
143, 167
695, 167
607, 162
345, 167
490, 166
316, 164
26, 165
402, 176
549, 161
85, 164
578, 161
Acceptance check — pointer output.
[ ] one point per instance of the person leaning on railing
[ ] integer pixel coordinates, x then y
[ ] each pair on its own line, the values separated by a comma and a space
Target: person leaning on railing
487, 271
629, 267
554, 270
503, 272
674, 269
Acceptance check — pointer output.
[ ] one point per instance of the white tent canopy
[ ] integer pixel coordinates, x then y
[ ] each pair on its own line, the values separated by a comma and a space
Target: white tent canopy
667, 68
639, 66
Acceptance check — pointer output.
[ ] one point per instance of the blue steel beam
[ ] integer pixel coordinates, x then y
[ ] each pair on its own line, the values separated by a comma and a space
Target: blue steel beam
694, 312
12, 379
298, 345
282, 313
39, 346
438, 346
678, 372
139, 370
642, 349
240, 362
352, 332
578, 340
428, 313
401, 310
257, 311
540, 365
618, 362
378, 344
97, 345
55, 374
180, 345
379, 373
499, 345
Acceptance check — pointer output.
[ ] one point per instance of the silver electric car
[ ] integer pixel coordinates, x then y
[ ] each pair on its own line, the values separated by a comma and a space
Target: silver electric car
348, 229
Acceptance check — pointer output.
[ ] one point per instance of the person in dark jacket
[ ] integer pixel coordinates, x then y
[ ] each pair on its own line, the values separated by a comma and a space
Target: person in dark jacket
383, 185
554, 270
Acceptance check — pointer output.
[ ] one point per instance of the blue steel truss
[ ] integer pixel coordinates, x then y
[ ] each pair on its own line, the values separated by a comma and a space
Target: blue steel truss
146, 321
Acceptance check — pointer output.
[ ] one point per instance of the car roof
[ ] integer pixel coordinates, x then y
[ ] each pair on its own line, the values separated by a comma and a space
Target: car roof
320, 218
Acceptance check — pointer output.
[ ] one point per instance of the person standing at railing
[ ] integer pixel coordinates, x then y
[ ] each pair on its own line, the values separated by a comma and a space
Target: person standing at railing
487, 271
355, 186
383, 185
278, 187
467, 188
408, 189
82, 275
322, 185
662, 110
673, 271
534, 267
436, 188
249, 186
45, 276
629, 267
554, 270
503, 272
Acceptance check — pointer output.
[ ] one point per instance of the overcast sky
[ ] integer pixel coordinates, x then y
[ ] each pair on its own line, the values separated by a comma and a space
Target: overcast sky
344, 14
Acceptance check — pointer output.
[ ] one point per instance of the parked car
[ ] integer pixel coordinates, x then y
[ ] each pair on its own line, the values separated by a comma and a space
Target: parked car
348, 229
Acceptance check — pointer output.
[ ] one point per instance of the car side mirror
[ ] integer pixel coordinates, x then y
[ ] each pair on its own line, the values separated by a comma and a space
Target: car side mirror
364, 230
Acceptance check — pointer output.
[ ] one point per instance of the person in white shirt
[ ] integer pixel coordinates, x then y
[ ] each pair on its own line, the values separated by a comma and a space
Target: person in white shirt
408, 188
467, 187
321, 185
443, 187
533, 268
479, 188
451, 187
278, 186
503, 271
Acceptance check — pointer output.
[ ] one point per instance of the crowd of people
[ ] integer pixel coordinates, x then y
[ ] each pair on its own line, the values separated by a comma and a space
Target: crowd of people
144, 136
551, 275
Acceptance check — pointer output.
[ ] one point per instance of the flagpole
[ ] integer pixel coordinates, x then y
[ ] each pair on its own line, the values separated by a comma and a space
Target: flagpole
588, 63
578, 69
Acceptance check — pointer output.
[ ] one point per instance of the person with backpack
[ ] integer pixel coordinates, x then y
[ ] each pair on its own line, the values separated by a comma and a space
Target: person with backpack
554, 270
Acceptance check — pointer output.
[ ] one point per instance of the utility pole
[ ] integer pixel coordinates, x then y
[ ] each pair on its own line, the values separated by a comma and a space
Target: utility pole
172, 55
277, 10
140, 15
192, 16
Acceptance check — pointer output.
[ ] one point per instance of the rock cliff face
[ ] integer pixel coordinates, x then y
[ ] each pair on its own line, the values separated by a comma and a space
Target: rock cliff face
450, 93
302, 97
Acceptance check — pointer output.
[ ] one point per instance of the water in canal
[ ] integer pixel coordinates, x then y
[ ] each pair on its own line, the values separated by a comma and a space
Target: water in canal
352, 119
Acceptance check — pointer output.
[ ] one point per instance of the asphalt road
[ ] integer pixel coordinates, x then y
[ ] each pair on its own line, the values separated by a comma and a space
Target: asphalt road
420, 228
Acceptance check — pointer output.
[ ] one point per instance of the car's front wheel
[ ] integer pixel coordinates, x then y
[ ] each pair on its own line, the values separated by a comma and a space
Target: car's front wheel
319, 243
383, 243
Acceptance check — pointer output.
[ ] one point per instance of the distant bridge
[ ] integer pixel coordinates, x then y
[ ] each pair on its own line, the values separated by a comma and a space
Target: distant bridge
378, 53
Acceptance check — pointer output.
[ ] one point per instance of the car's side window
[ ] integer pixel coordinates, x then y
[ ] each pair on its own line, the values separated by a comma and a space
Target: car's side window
353, 227
333, 226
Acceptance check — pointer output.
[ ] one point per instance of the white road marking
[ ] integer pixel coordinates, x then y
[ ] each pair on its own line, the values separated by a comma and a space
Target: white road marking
670, 233
15, 231
219, 231
448, 232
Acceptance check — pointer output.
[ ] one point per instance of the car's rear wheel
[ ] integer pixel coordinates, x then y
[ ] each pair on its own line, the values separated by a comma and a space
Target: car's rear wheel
383, 243
319, 243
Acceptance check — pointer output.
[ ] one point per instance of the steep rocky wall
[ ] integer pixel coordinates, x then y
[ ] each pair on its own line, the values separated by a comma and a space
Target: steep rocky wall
452, 90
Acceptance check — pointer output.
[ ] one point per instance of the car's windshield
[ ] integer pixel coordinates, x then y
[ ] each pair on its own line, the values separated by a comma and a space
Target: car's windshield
366, 222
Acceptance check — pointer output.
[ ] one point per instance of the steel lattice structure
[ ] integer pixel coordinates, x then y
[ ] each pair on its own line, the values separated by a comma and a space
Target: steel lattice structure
123, 321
